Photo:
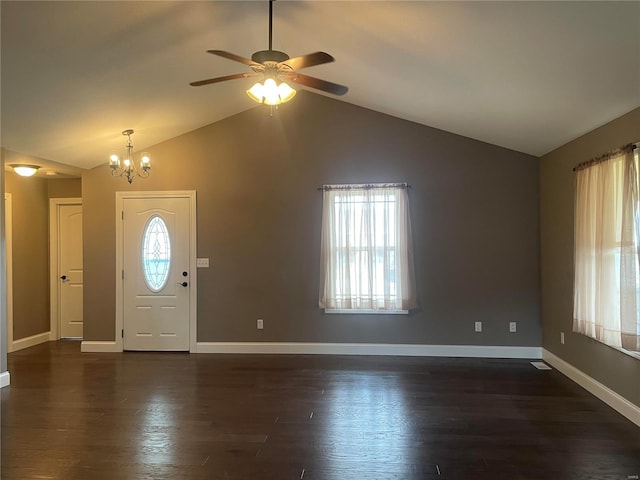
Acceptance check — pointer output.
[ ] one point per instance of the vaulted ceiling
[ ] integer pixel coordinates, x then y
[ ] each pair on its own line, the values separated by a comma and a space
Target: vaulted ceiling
529, 76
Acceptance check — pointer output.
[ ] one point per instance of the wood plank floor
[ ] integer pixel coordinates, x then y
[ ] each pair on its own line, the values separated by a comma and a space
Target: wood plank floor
74, 416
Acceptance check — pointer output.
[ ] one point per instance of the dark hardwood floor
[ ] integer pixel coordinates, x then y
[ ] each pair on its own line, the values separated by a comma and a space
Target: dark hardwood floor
135, 416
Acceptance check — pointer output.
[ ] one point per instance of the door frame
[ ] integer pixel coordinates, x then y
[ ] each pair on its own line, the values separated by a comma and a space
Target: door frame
54, 259
8, 241
193, 290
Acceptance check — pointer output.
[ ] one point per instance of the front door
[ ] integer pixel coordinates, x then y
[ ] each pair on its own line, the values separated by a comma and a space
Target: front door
70, 271
156, 275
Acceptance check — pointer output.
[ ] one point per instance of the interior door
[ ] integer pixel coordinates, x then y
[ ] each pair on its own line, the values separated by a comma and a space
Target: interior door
70, 270
156, 276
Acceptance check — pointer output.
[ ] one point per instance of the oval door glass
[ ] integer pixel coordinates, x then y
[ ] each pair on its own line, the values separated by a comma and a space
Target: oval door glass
156, 254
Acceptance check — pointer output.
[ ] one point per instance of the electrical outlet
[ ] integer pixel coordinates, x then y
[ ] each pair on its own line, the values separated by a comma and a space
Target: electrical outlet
478, 326
562, 338
512, 327
259, 324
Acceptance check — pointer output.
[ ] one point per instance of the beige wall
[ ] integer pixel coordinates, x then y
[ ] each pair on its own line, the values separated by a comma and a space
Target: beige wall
475, 223
30, 228
616, 370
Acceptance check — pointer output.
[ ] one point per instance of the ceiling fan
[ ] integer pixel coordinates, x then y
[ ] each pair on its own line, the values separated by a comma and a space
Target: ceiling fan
275, 67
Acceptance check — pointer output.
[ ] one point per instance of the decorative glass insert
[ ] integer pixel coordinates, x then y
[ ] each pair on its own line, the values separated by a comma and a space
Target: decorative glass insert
156, 254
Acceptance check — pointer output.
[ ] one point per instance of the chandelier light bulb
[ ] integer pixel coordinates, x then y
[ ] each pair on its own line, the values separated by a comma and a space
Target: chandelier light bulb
145, 162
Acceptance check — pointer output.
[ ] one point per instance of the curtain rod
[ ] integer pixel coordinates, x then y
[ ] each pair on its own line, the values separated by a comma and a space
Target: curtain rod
606, 156
363, 186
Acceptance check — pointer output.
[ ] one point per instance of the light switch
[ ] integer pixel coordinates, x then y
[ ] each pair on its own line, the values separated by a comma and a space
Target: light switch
202, 263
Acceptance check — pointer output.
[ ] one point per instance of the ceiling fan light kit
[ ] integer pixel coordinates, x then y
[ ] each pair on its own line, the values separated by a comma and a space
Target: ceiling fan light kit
271, 92
276, 69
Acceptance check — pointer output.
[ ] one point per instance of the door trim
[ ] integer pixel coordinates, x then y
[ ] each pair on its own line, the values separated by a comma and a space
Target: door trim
193, 291
54, 257
8, 241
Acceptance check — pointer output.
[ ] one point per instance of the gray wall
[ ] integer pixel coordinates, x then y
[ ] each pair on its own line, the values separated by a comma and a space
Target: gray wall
475, 212
64, 188
30, 244
616, 370
30, 228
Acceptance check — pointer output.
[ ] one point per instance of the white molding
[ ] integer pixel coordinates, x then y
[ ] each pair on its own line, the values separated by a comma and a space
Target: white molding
474, 351
31, 341
8, 238
54, 258
193, 234
5, 379
100, 347
604, 393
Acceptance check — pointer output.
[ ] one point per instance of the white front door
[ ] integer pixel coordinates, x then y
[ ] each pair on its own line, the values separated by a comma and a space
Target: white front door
156, 274
70, 270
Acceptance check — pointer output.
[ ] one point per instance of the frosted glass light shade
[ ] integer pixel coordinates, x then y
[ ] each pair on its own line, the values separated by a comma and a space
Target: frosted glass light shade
25, 170
271, 92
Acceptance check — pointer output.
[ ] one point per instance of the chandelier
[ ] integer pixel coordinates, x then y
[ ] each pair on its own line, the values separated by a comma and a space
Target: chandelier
128, 168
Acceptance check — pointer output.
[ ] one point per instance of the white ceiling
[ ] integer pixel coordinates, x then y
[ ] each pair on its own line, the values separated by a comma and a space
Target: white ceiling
529, 76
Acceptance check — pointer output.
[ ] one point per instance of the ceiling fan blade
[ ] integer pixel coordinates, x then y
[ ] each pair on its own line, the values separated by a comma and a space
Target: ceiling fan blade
309, 60
232, 56
222, 79
316, 83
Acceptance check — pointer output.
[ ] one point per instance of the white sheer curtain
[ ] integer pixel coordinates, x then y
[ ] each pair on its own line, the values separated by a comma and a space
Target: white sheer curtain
607, 269
366, 252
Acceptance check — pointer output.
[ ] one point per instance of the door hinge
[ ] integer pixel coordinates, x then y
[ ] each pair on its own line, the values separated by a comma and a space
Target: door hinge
123, 274
123, 333
122, 212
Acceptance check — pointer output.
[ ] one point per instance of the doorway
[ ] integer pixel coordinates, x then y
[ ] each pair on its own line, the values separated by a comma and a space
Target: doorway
156, 287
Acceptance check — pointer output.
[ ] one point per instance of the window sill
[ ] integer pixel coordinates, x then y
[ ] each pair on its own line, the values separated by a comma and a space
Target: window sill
633, 354
366, 312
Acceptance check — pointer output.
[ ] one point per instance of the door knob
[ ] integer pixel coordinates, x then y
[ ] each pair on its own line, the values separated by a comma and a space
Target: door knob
63, 278
183, 284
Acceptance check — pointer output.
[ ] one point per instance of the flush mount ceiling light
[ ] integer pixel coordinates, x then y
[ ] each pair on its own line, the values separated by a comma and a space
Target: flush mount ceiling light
276, 69
128, 168
25, 170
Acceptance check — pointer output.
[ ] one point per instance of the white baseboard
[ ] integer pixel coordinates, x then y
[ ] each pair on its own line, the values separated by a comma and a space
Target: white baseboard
100, 347
30, 341
5, 379
370, 349
608, 396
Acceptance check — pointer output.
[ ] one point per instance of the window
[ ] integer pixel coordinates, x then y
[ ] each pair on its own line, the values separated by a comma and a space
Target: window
366, 249
156, 254
607, 234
